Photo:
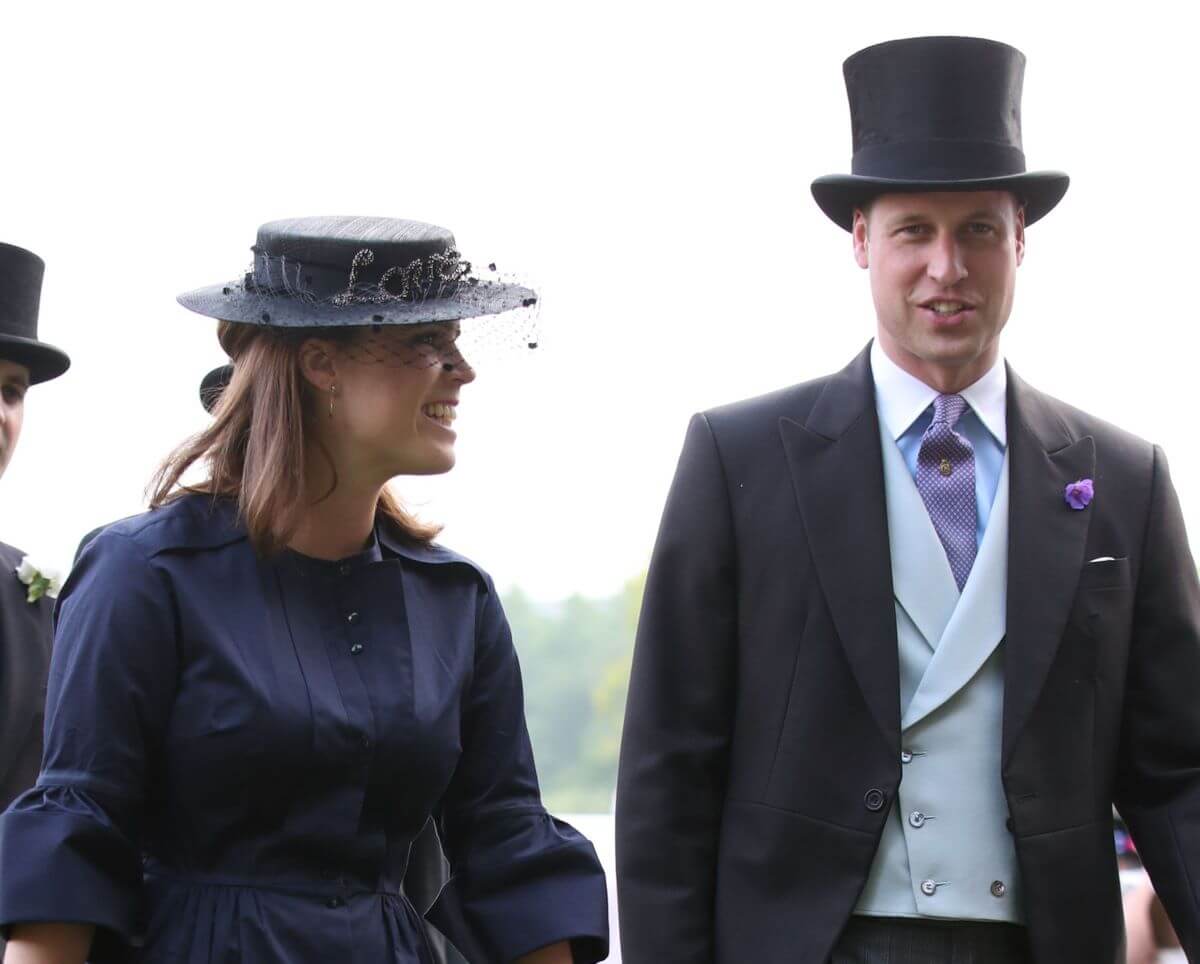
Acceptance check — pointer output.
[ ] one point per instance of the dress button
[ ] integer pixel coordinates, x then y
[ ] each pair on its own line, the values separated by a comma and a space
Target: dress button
906, 756
334, 903
344, 569
352, 619
356, 648
917, 819
928, 887
874, 799
998, 888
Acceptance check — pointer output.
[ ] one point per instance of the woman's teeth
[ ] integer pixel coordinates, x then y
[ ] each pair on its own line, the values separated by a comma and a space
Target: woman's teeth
440, 412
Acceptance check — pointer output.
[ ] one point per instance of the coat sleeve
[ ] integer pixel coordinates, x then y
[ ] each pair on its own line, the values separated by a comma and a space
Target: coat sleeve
1158, 776
69, 848
675, 746
520, 879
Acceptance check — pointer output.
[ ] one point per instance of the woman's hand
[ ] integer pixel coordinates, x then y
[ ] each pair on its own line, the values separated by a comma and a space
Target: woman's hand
559, 953
50, 944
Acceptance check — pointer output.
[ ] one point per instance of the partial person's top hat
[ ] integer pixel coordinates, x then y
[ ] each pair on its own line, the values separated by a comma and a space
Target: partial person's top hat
20, 294
333, 271
936, 114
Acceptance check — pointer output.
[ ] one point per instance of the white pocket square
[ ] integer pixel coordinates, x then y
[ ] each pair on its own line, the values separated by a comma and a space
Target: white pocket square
1101, 559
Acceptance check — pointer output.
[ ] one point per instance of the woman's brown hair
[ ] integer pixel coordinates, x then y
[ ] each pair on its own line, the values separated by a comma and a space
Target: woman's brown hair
256, 446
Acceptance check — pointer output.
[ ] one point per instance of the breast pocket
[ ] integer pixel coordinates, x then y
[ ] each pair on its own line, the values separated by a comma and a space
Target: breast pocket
1104, 600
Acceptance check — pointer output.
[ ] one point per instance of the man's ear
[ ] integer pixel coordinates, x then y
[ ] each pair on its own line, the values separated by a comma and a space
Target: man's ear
1019, 233
859, 233
318, 363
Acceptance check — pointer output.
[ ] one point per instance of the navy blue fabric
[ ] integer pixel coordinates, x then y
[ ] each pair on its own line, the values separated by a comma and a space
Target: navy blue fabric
240, 751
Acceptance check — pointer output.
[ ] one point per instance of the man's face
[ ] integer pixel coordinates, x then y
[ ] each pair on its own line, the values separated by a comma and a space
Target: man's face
14, 383
943, 268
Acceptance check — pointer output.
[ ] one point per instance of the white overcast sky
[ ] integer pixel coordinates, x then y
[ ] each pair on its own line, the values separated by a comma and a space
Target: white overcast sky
647, 163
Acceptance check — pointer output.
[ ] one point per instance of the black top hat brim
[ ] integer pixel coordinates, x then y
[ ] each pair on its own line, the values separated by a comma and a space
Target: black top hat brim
838, 195
43, 361
237, 302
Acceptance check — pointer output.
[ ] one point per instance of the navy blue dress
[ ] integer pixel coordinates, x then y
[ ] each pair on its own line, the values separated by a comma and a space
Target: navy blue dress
239, 752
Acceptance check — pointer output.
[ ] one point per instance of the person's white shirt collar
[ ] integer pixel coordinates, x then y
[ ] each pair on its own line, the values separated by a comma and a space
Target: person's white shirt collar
901, 397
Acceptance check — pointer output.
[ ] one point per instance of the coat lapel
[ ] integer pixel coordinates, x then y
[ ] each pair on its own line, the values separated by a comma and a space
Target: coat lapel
837, 472
1047, 541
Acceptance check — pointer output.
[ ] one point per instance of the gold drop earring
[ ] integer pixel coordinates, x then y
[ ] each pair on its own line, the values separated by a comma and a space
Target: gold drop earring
332, 395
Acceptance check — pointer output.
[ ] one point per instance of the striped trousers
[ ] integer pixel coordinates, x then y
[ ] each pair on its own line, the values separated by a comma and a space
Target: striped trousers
898, 940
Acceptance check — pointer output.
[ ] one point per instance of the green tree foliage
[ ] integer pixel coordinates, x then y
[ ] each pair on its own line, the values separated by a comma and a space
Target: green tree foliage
575, 658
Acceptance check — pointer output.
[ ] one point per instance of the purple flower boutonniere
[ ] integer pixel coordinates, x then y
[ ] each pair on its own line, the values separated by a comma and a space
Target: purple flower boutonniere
1079, 494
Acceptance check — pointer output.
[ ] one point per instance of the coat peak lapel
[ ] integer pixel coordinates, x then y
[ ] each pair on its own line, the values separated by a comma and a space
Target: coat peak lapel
1047, 541
837, 474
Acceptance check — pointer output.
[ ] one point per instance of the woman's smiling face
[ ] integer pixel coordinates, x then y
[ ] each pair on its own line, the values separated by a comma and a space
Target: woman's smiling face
396, 398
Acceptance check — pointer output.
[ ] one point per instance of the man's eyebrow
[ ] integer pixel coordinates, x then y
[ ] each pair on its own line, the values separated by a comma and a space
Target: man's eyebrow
909, 217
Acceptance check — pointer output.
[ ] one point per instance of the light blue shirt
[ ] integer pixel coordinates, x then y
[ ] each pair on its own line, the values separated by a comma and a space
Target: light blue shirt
905, 406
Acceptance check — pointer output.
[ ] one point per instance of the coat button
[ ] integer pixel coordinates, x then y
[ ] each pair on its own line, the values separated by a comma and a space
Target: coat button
998, 888
906, 756
356, 648
928, 887
874, 799
352, 619
344, 568
333, 903
917, 819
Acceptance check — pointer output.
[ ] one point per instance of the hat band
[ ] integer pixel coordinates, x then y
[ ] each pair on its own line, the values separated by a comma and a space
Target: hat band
437, 275
937, 160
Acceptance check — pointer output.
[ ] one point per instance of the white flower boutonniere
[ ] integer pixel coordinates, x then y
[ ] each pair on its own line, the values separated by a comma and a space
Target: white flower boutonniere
41, 580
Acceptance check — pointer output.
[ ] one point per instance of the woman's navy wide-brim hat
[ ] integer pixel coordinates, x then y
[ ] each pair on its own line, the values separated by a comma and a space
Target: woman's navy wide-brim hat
21, 274
936, 114
333, 271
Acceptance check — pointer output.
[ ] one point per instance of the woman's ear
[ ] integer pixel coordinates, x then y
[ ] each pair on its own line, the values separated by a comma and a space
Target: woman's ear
318, 363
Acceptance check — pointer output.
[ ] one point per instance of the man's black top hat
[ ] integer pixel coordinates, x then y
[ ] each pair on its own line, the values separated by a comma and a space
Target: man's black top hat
936, 114
20, 293
325, 271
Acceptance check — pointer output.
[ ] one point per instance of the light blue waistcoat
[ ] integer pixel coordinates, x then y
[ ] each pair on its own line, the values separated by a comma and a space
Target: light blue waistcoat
946, 851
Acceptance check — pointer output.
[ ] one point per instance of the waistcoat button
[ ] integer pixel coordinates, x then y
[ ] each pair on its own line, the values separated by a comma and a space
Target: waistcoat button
917, 819
928, 888
874, 799
352, 619
906, 756
334, 903
356, 648
998, 888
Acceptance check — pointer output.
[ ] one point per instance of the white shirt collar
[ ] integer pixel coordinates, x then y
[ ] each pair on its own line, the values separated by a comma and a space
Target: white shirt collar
901, 397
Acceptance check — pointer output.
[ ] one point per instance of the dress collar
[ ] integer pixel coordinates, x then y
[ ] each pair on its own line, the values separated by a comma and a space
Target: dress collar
902, 398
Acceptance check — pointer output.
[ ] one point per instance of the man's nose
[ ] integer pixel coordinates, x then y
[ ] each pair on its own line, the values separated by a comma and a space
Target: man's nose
946, 264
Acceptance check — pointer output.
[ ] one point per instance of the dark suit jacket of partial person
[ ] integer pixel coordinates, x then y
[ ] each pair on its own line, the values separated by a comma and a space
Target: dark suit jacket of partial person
764, 702
25, 637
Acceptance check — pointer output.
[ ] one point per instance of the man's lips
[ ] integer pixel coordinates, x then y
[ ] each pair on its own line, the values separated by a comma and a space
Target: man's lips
947, 311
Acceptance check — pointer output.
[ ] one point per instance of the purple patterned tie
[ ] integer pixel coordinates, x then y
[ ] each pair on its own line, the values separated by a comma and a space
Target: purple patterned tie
946, 481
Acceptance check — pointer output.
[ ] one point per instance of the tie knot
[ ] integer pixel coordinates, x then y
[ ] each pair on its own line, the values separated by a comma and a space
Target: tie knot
949, 409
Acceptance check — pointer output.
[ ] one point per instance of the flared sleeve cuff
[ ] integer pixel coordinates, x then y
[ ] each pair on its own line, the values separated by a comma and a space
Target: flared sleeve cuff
536, 881
63, 859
